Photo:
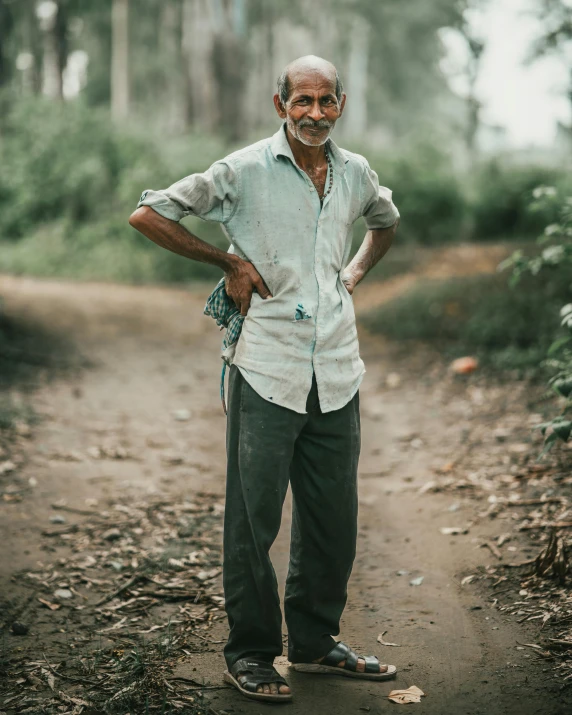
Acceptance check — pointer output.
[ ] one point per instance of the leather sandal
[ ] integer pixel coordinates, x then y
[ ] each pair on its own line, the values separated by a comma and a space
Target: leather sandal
342, 652
248, 673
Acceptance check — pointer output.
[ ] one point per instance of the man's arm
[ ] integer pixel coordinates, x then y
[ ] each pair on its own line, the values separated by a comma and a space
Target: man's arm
375, 245
242, 278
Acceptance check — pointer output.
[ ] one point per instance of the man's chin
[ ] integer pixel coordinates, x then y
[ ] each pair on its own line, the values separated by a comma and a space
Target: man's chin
314, 138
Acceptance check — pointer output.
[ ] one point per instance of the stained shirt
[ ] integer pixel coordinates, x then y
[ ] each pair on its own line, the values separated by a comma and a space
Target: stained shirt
272, 215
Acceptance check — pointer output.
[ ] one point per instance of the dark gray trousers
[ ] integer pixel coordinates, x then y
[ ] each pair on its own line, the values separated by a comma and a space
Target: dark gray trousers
267, 447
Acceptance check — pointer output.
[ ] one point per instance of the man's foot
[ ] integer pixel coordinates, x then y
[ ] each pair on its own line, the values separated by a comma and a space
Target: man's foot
257, 679
360, 665
342, 660
273, 688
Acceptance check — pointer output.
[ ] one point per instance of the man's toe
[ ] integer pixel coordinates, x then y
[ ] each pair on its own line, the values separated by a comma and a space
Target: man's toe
273, 688
284, 689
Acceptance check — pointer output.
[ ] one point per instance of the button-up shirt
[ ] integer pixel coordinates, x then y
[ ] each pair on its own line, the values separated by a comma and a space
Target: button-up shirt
273, 217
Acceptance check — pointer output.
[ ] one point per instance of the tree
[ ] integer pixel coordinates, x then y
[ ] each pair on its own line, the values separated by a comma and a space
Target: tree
120, 59
556, 36
6, 29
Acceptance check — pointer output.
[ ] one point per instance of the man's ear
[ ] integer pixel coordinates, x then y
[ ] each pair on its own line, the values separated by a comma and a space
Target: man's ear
280, 109
342, 104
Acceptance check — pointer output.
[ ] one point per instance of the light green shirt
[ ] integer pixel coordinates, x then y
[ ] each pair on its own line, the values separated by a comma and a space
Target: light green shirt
271, 214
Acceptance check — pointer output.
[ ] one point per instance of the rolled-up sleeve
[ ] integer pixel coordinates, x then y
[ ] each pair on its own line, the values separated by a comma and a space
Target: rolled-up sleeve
211, 195
378, 209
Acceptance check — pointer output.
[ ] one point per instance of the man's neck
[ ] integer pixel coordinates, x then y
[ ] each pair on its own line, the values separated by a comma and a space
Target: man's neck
307, 157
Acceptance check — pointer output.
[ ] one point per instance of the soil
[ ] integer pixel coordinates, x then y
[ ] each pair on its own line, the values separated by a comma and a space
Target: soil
152, 353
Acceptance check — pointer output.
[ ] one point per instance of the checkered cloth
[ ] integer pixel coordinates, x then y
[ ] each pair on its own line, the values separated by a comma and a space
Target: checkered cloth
222, 308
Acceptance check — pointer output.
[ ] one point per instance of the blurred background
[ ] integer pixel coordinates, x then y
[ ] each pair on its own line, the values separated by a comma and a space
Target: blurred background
463, 107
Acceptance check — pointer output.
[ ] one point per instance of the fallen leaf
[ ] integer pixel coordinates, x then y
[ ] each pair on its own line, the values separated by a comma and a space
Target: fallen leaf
410, 695
416, 581
6, 467
453, 530
48, 604
111, 534
393, 380
380, 640
428, 486
464, 365
468, 579
49, 678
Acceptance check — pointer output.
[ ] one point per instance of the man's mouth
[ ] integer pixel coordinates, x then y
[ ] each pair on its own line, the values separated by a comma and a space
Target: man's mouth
316, 130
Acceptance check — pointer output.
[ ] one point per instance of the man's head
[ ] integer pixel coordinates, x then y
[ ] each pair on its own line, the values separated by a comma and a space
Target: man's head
310, 98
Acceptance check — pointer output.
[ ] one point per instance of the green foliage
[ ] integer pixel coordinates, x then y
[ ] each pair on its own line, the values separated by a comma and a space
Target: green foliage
68, 183
430, 196
501, 207
69, 180
479, 314
555, 257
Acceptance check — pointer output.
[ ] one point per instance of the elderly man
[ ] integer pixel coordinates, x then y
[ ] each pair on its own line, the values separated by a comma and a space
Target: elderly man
287, 204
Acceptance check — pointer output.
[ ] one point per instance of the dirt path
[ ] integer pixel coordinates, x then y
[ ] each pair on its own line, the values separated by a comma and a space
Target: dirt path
153, 353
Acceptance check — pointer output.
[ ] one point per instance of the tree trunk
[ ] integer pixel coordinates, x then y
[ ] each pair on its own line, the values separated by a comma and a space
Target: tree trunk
355, 120
52, 80
6, 26
198, 40
229, 58
170, 39
120, 60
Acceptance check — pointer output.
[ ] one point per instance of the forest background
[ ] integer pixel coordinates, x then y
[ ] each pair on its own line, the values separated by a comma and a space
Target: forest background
99, 101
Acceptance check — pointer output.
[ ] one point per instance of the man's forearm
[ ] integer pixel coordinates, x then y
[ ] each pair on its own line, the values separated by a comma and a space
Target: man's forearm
375, 245
176, 238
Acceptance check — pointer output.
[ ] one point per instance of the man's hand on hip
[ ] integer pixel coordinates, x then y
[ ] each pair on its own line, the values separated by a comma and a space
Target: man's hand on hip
241, 280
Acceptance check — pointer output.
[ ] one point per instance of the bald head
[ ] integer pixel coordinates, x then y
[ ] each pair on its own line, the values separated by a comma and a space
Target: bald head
305, 68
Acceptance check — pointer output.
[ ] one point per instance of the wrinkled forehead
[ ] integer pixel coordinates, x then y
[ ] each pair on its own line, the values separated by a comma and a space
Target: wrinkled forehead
311, 80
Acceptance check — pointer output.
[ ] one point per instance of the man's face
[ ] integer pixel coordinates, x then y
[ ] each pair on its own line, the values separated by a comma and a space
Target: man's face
312, 108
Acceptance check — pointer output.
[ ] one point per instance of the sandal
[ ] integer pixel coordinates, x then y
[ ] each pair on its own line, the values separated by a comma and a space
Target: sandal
247, 674
342, 652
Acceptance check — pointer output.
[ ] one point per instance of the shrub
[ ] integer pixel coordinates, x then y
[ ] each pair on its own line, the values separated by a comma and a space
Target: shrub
501, 207
427, 191
479, 314
555, 258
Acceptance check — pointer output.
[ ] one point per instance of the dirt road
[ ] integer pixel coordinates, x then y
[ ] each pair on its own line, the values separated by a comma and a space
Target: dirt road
152, 353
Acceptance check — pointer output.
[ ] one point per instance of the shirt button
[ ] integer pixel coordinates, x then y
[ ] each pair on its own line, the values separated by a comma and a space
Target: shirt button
312, 188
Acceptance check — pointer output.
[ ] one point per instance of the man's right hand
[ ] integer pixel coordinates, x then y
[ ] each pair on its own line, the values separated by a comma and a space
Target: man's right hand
241, 280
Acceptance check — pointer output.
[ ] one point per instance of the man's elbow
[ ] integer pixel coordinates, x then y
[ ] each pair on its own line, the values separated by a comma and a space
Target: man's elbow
138, 218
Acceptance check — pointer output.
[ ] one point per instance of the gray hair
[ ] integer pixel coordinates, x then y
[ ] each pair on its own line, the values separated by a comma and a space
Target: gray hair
284, 87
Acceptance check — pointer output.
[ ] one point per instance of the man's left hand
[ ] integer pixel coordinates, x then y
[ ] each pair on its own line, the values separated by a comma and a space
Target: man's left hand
349, 282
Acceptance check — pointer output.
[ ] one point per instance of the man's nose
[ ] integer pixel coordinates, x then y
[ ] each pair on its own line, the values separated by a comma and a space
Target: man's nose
316, 112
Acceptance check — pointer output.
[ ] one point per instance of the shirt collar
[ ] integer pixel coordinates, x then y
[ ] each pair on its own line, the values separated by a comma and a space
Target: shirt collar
280, 147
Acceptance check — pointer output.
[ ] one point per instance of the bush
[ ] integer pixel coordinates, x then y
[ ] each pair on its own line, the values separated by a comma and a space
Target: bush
502, 208
427, 191
478, 314
68, 182
556, 258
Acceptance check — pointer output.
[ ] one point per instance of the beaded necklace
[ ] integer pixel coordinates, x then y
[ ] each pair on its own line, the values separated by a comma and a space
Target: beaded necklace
331, 172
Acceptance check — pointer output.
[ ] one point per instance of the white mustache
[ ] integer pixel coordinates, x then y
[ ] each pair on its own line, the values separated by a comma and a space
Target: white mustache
322, 124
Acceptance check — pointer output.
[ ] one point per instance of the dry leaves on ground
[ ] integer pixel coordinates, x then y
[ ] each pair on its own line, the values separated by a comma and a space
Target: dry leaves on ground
529, 503
134, 596
412, 694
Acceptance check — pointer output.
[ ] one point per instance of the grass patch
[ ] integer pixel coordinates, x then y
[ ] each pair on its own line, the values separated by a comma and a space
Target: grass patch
507, 328
100, 252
